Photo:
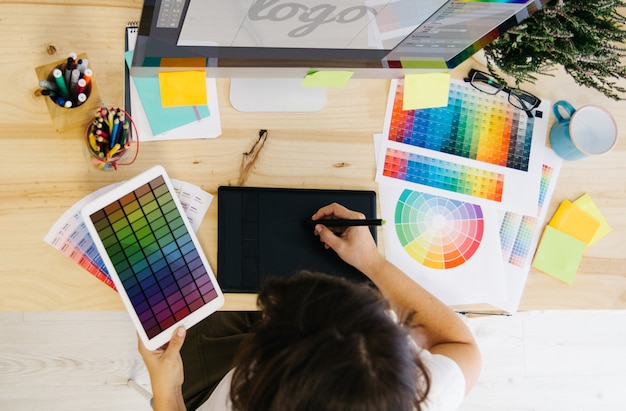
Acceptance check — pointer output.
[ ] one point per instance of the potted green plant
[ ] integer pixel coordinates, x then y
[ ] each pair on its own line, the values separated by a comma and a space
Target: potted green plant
586, 37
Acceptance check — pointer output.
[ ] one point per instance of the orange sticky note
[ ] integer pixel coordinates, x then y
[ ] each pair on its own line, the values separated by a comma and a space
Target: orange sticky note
586, 204
182, 88
574, 222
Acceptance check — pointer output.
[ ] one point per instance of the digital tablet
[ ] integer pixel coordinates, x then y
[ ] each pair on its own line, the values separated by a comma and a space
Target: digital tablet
262, 232
153, 256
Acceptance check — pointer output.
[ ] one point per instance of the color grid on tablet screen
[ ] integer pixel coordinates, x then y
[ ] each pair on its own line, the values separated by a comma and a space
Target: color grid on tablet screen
444, 175
473, 125
154, 256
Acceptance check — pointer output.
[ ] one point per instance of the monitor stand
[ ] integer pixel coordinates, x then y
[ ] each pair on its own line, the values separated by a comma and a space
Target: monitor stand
275, 95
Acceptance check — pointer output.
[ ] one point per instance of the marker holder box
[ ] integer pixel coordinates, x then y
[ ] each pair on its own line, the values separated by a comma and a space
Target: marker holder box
66, 118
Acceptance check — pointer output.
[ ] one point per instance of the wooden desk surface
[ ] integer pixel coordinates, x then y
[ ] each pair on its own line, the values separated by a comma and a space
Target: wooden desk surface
44, 172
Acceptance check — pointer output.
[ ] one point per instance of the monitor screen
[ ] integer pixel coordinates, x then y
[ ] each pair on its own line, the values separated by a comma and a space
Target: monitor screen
375, 38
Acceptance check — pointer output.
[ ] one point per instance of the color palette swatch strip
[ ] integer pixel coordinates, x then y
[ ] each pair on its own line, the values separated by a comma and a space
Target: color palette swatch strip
473, 125
438, 232
517, 231
154, 256
441, 174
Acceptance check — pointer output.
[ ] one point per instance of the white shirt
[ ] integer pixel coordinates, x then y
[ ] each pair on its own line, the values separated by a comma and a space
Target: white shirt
447, 386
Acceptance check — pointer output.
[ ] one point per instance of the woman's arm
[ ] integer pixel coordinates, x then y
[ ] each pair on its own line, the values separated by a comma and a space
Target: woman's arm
165, 367
441, 331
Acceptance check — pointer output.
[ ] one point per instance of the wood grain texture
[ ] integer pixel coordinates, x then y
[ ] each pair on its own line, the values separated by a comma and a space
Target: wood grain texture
44, 172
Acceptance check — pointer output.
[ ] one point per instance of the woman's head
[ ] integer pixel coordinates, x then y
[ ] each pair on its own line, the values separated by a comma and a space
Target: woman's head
325, 344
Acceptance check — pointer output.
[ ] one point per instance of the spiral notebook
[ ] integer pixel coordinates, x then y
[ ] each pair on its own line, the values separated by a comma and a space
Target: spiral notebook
142, 99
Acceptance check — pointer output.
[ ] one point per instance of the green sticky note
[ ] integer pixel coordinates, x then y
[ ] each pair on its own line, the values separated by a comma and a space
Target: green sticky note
327, 78
425, 90
586, 204
424, 64
559, 254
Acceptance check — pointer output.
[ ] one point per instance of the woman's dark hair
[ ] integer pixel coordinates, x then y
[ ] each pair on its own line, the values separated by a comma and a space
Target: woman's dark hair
325, 343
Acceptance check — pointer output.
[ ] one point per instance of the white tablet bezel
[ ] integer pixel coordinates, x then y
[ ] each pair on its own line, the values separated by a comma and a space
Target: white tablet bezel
114, 195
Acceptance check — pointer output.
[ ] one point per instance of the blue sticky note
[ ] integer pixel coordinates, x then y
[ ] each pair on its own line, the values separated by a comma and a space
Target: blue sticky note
163, 119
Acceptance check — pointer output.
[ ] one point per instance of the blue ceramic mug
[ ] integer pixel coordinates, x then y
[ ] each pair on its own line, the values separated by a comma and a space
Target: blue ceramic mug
588, 131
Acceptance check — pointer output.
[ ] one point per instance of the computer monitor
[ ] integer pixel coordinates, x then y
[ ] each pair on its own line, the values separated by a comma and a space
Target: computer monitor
268, 47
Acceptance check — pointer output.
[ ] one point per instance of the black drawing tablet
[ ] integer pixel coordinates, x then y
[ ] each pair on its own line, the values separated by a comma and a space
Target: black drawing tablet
261, 233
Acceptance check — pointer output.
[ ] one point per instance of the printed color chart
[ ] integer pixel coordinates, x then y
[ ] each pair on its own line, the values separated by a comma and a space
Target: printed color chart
517, 231
444, 175
154, 256
438, 232
479, 148
473, 125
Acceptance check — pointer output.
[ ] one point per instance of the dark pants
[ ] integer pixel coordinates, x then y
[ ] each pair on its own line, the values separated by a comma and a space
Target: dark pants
209, 350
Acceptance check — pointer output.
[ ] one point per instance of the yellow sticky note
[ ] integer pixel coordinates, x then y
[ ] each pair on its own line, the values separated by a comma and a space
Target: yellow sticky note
182, 88
559, 254
586, 204
574, 222
425, 90
327, 78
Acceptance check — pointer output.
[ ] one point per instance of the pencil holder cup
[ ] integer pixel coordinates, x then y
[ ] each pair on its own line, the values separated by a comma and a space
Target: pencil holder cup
111, 139
70, 95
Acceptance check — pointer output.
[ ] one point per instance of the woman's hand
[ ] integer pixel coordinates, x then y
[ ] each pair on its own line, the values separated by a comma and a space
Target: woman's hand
355, 245
165, 367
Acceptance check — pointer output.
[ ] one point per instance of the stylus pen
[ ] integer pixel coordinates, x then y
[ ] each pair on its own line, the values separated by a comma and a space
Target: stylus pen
343, 222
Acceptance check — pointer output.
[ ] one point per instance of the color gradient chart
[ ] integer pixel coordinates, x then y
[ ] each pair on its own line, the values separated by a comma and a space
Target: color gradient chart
154, 256
444, 175
473, 125
438, 232
519, 235
517, 231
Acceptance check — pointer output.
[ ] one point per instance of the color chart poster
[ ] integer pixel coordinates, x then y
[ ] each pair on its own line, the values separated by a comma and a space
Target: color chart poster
449, 247
478, 149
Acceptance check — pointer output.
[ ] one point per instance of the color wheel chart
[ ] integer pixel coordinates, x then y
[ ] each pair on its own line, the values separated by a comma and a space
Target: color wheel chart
449, 247
438, 232
475, 140
154, 256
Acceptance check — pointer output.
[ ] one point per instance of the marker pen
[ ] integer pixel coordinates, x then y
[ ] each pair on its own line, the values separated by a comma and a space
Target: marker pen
58, 78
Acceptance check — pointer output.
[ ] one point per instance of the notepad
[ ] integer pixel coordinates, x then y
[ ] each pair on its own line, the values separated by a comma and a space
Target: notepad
154, 122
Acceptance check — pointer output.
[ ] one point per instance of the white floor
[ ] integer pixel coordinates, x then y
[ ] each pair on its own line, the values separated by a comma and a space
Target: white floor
552, 360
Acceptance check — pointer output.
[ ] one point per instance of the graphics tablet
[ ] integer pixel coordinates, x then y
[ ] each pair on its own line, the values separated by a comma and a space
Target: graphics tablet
153, 256
262, 233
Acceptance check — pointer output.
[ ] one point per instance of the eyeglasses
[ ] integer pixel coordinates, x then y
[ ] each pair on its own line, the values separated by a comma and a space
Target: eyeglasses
517, 98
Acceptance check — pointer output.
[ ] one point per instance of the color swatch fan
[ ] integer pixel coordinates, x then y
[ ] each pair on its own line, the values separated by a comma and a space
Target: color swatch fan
153, 256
